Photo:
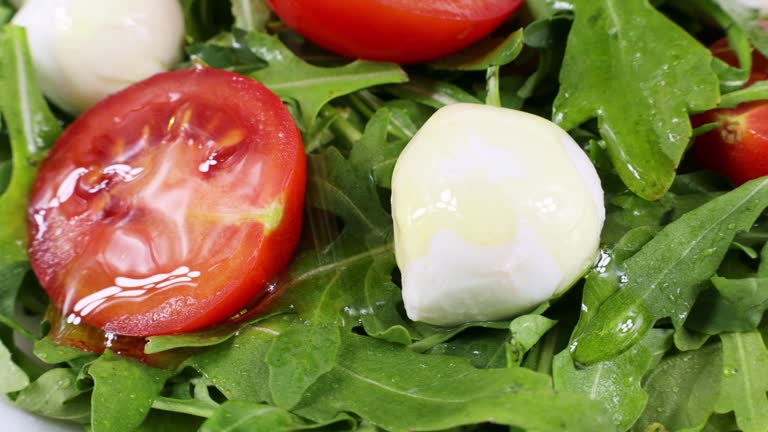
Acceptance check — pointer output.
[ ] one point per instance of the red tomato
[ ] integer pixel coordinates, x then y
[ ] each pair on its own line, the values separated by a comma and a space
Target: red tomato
738, 148
403, 31
169, 206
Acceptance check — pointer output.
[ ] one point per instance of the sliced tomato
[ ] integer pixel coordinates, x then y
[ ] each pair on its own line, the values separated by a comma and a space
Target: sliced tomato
738, 147
169, 206
403, 31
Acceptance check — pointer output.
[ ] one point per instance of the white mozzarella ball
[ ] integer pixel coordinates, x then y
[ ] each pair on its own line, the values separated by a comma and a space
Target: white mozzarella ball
84, 50
495, 212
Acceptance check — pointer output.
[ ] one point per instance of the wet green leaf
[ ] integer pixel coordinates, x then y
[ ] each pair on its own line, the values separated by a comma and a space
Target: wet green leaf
745, 380
484, 54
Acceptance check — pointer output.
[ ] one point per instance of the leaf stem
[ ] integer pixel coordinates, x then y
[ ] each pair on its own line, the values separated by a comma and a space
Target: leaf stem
192, 406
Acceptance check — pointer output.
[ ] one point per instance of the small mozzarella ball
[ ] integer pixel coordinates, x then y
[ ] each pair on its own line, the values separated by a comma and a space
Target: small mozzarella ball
761, 6
85, 50
495, 212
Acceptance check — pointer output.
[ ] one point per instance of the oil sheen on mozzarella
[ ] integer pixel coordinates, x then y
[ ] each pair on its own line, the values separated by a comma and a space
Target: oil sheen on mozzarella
495, 212
84, 50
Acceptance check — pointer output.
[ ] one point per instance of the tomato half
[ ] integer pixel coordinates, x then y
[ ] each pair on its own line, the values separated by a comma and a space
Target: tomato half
738, 147
403, 31
170, 205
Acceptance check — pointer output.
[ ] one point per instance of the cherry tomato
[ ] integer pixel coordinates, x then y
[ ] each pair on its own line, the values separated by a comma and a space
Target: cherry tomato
169, 206
738, 147
402, 31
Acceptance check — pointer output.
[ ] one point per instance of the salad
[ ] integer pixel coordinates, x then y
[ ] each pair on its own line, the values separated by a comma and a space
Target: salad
304, 325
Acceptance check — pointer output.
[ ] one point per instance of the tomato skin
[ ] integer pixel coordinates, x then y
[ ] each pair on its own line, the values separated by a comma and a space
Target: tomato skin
738, 147
176, 201
401, 31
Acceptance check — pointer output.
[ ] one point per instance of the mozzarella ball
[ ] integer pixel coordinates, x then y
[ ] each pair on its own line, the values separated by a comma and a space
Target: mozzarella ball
495, 212
84, 50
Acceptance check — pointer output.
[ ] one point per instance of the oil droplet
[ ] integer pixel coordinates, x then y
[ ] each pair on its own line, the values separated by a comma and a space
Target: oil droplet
729, 372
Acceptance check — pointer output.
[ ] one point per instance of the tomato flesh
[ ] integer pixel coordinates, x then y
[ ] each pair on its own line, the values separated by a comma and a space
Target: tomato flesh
401, 31
738, 147
169, 206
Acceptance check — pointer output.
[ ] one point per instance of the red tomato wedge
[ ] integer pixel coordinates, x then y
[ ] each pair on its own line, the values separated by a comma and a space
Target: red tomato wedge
738, 147
403, 31
169, 206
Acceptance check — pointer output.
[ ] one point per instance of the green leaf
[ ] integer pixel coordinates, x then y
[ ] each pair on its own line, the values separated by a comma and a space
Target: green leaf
123, 392
756, 92
12, 377
32, 128
747, 20
227, 51
240, 416
374, 154
484, 348
433, 335
526, 331
312, 86
484, 54
163, 421
53, 353
656, 74
745, 380
616, 382
237, 366
251, 15
400, 390
203, 338
682, 390
666, 275
55, 395
736, 305
606, 276
435, 94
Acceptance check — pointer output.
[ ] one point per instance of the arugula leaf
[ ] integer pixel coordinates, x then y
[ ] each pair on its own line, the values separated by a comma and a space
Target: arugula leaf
484, 54
312, 86
747, 20
32, 128
374, 153
12, 377
251, 15
756, 92
526, 331
398, 390
484, 348
239, 416
736, 305
123, 392
745, 380
682, 390
666, 275
435, 94
236, 367
227, 51
615, 382
656, 74
55, 395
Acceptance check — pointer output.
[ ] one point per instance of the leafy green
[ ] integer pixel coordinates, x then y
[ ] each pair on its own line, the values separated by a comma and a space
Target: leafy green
756, 92
12, 377
735, 305
54, 394
32, 128
615, 382
488, 52
435, 94
251, 15
123, 392
745, 380
682, 390
656, 74
238, 416
666, 275
526, 331
747, 20
311, 86
399, 390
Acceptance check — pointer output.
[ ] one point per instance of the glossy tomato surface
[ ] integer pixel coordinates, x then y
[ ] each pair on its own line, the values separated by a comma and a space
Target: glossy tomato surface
169, 206
403, 31
738, 147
